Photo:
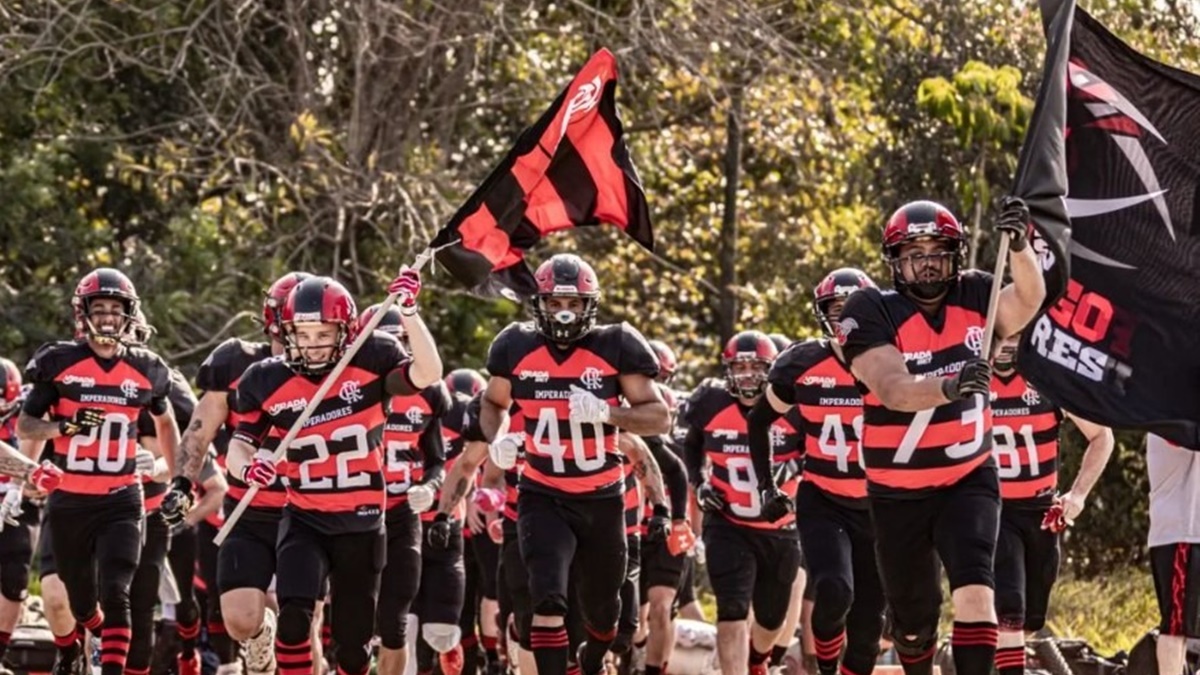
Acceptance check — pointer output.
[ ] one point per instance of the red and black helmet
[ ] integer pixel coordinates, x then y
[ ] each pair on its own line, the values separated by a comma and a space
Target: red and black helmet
566, 275
781, 341
837, 285
917, 220
275, 297
748, 346
104, 282
10, 381
390, 323
667, 363
465, 381
318, 300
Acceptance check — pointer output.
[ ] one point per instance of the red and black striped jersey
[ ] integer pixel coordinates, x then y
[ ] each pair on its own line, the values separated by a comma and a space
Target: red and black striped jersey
1025, 426
810, 377
334, 470
909, 453
67, 376
565, 458
723, 422
408, 421
221, 372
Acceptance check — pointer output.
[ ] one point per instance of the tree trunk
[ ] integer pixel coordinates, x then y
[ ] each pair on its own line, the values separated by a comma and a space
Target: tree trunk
727, 256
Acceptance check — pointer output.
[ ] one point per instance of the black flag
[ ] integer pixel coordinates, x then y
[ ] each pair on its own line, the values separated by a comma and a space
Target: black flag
1121, 347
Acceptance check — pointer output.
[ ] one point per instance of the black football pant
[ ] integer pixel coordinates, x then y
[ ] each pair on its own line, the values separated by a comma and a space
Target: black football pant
847, 595
143, 594
97, 544
352, 562
401, 577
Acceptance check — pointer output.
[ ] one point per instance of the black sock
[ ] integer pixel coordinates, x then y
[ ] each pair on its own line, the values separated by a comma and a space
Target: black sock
1010, 660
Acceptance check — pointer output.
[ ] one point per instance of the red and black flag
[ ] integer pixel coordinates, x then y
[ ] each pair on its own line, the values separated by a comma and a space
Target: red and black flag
569, 169
1121, 346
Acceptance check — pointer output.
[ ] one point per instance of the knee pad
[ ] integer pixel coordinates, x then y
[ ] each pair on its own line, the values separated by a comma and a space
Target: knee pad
832, 598
442, 637
353, 661
14, 580
919, 645
736, 610
295, 621
553, 605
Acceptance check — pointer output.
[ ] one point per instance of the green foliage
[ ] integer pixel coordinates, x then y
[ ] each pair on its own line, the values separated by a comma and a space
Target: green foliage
1112, 612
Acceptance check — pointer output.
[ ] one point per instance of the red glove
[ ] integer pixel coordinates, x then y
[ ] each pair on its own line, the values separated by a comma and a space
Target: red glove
46, 477
407, 286
1055, 519
260, 472
488, 500
681, 538
495, 530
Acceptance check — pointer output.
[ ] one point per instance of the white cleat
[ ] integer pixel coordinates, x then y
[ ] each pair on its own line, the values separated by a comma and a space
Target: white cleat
259, 651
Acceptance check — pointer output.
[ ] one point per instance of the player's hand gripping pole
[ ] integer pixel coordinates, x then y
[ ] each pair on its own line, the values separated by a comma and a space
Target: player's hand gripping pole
315, 401
989, 328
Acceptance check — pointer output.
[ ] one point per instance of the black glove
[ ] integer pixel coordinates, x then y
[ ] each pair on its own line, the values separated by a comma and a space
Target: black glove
710, 499
1015, 220
658, 526
84, 419
775, 502
178, 501
439, 533
974, 378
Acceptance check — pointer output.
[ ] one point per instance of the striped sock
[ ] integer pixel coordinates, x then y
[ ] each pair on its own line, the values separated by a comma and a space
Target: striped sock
114, 649
549, 648
974, 647
294, 659
1010, 660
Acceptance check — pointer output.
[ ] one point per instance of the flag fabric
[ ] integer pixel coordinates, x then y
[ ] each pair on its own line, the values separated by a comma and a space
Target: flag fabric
570, 169
1121, 346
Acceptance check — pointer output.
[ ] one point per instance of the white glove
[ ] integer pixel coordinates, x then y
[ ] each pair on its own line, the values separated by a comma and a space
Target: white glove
586, 407
420, 498
10, 508
503, 450
143, 461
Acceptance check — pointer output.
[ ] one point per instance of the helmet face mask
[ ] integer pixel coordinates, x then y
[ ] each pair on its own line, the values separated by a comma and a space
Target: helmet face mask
1004, 359
105, 306
319, 321
924, 245
747, 359
567, 299
830, 296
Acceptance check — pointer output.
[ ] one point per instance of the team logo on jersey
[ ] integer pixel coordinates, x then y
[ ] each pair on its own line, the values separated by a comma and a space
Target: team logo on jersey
592, 378
414, 415
295, 405
129, 388
822, 381
778, 436
1031, 397
843, 328
350, 392
85, 382
975, 339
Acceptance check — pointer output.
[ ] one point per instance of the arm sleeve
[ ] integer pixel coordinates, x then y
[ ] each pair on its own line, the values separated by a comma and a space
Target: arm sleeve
762, 415
498, 359
252, 428
674, 473
41, 398
160, 383
865, 324
693, 453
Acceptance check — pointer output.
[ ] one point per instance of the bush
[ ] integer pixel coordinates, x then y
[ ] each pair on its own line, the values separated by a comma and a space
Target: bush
1111, 613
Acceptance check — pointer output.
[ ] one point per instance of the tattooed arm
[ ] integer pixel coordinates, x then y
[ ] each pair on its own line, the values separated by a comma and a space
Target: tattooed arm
644, 467
461, 477
14, 464
210, 414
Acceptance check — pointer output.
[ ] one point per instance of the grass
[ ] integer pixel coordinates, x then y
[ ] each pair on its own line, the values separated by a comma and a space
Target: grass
1110, 613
